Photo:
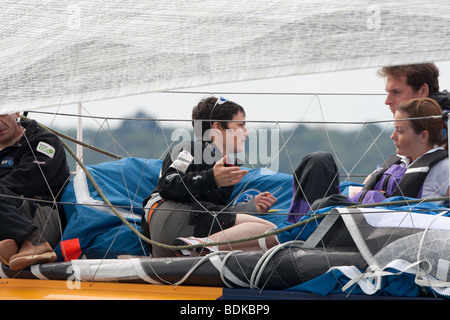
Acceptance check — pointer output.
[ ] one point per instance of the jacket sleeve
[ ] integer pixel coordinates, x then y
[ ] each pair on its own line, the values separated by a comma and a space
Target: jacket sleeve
181, 179
40, 167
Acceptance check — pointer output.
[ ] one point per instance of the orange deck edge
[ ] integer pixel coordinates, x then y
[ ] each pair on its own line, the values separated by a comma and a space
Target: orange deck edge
15, 289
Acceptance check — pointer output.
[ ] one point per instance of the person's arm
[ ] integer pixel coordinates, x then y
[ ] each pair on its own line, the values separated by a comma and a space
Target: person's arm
181, 179
264, 201
260, 203
39, 167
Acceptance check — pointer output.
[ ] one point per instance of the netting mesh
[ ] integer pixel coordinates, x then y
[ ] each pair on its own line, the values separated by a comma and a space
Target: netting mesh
62, 52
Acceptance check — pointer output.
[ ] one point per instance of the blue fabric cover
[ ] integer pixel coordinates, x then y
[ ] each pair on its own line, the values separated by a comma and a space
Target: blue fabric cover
127, 182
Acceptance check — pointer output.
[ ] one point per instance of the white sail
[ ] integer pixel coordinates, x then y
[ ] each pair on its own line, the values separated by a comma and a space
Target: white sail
63, 52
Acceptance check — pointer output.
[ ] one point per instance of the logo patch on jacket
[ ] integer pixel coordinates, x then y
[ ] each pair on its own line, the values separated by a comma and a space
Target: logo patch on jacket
7, 162
183, 161
46, 149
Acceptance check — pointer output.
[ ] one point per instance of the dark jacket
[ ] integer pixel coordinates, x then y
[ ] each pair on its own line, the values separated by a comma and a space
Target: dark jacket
35, 165
411, 184
183, 178
443, 98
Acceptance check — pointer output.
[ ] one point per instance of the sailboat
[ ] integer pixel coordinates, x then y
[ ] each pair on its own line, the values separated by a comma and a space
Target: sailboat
55, 54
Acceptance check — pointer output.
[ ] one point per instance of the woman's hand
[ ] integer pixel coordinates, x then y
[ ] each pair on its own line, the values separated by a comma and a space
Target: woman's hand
227, 175
264, 201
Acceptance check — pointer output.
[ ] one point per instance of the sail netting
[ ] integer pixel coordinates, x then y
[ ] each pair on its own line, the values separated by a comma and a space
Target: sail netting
62, 52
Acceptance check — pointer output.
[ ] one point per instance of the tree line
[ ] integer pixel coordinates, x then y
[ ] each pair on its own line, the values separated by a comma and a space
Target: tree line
357, 151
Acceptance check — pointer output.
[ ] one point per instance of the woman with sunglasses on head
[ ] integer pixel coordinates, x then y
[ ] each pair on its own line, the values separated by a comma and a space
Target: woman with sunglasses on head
189, 205
420, 168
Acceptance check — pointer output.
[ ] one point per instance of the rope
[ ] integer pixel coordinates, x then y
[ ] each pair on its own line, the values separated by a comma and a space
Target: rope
67, 137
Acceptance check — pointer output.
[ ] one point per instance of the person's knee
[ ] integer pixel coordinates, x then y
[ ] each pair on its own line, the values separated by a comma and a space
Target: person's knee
319, 157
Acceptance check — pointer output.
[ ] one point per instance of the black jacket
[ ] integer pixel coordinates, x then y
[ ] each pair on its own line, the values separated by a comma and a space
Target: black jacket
411, 184
35, 165
183, 178
443, 98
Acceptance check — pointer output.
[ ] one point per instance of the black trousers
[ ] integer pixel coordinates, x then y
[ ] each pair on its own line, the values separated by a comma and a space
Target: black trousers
14, 224
316, 177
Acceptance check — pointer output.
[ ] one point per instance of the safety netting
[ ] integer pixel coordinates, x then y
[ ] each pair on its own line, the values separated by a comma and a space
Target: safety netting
62, 52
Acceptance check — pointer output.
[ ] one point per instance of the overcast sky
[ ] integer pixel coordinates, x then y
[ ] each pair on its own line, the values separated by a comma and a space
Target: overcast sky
262, 107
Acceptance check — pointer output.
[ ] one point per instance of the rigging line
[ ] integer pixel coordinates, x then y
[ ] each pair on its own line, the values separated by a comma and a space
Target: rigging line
38, 164
140, 235
381, 204
214, 214
69, 138
420, 241
130, 210
374, 143
275, 93
170, 247
247, 121
104, 205
152, 242
54, 117
287, 151
277, 154
206, 211
226, 212
314, 215
140, 179
299, 186
49, 189
328, 136
349, 174
188, 120
287, 228
123, 175
365, 205
169, 146
102, 195
108, 132
242, 190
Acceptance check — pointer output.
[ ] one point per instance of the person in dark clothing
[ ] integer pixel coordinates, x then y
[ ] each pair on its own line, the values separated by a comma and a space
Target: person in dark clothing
442, 98
406, 82
190, 203
33, 167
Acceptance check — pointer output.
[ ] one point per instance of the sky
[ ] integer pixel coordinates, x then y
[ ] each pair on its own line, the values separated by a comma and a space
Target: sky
346, 106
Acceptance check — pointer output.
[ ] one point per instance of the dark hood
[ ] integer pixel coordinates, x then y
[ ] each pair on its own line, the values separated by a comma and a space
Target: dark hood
443, 98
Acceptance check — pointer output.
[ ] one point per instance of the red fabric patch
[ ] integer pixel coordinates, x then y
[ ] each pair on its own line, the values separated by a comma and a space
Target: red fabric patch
71, 249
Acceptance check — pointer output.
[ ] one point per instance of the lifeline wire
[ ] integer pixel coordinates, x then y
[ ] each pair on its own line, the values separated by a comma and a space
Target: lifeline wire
252, 281
170, 247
